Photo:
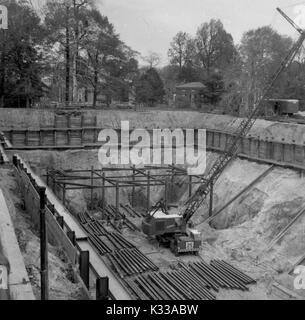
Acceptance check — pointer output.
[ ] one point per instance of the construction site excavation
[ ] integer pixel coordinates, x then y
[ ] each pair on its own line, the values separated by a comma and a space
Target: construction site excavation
251, 230
126, 183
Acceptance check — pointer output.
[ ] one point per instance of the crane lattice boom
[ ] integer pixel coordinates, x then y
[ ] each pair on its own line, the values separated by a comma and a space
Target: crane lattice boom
243, 129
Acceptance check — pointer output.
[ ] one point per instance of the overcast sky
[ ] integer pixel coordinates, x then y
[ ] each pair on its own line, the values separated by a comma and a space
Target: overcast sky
149, 25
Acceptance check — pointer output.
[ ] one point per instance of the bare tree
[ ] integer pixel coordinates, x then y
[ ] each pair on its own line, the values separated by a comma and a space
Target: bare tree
153, 59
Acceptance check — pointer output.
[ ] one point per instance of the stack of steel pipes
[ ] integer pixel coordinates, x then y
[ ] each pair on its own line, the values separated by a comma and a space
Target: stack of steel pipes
85, 218
173, 285
220, 274
95, 227
99, 244
230, 270
130, 262
118, 241
110, 242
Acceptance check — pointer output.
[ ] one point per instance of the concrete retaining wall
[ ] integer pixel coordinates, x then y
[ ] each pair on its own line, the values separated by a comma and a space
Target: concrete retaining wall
35, 119
253, 147
282, 153
19, 284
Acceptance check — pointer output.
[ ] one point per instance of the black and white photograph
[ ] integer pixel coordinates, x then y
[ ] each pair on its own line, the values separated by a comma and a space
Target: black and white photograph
152, 153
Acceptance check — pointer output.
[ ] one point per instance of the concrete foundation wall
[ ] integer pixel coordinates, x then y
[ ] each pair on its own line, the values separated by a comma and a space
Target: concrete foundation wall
35, 119
279, 142
281, 153
258, 149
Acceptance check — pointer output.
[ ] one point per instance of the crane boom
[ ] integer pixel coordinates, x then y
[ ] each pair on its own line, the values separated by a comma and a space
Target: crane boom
300, 30
193, 204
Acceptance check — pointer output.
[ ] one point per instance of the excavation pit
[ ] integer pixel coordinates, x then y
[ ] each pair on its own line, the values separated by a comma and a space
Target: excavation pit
240, 234
261, 232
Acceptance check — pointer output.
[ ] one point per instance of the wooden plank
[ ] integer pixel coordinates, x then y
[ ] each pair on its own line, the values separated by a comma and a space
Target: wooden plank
61, 237
300, 262
62, 211
19, 283
287, 291
282, 233
115, 286
56, 234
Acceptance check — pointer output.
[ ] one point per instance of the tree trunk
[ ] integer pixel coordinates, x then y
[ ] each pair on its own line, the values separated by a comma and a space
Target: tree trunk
2, 85
95, 88
95, 78
28, 102
108, 100
74, 80
67, 98
75, 55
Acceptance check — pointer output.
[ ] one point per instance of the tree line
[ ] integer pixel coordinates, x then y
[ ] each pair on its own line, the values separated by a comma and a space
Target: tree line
234, 74
69, 47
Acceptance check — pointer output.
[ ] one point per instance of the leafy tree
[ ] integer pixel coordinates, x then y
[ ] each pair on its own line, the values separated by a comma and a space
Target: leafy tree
231, 99
291, 83
150, 88
182, 50
215, 88
123, 77
189, 73
66, 22
101, 49
172, 76
262, 51
204, 58
111, 66
88, 52
214, 47
20, 56
169, 75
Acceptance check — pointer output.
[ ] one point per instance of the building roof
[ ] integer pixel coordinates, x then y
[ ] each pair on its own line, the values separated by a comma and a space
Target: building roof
191, 85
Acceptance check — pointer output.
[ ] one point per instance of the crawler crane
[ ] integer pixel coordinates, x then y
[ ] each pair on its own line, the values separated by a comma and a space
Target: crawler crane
174, 229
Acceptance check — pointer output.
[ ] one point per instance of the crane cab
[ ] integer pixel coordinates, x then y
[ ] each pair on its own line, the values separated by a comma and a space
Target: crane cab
160, 223
171, 231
